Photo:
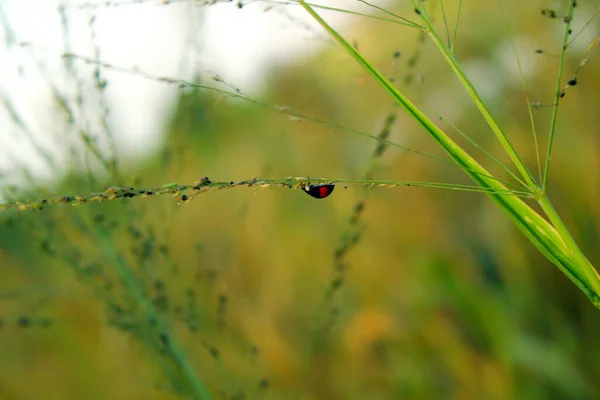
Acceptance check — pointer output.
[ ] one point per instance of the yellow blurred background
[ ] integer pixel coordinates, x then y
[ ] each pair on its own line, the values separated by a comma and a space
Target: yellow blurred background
441, 297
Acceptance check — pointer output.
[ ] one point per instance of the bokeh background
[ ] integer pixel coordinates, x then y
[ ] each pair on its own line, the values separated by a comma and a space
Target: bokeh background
369, 294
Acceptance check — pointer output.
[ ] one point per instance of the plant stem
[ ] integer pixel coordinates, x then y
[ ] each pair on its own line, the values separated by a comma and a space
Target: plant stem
500, 135
197, 389
557, 94
589, 271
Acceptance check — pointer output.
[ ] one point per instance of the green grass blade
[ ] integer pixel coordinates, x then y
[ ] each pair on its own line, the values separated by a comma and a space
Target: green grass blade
562, 252
500, 135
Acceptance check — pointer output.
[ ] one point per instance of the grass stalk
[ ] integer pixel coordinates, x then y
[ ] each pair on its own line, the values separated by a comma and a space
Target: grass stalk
479, 103
558, 93
175, 354
554, 242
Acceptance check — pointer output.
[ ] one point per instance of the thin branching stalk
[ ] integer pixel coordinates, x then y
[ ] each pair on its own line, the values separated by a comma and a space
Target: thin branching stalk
559, 93
236, 93
479, 103
180, 192
455, 34
528, 103
171, 348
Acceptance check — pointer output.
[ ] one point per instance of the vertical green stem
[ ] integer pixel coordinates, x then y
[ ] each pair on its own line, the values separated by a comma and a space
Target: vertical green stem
557, 95
506, 144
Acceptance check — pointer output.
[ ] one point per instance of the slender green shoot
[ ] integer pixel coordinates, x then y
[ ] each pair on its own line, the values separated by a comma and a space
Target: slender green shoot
484, 151
206, 185
446, 24
406, 21
456, 26
524, 85
397, 18
588, 22
559, 93
479, 103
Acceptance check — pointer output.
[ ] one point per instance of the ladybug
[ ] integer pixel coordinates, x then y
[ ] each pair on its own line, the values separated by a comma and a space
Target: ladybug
319, 191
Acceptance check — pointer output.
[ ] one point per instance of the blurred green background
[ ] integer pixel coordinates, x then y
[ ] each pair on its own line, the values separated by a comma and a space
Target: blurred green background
441, 297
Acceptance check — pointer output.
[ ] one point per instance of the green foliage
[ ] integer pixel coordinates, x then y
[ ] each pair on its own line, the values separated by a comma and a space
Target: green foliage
555, 242
398, 285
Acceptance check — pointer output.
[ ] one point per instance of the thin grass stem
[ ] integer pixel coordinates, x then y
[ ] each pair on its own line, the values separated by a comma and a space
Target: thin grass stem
401, 18
524, 85
205, 185
500, 135
396, 20
456, 26
236, 93
558, 94
484, 151
588, 22
446, 24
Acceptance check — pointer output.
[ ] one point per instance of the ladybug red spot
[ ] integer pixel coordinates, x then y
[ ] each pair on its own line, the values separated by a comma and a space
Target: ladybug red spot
320, 191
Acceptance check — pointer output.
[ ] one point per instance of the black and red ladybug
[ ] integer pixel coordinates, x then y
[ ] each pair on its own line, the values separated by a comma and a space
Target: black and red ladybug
319, 191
